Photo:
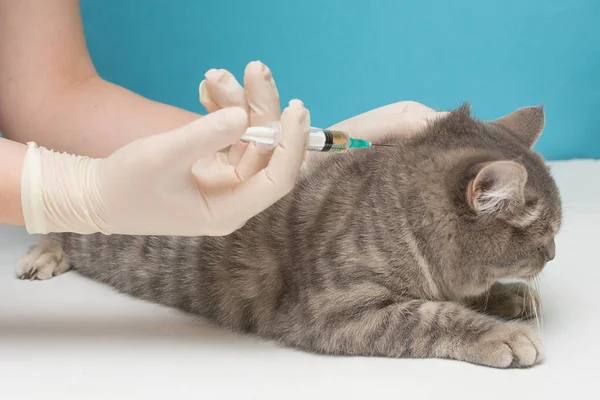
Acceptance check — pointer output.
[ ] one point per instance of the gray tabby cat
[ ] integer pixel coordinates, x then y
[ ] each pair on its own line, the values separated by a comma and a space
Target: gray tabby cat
391, 252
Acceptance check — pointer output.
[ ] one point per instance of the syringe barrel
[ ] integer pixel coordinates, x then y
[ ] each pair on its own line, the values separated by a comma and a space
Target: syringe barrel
323, 140
329, 141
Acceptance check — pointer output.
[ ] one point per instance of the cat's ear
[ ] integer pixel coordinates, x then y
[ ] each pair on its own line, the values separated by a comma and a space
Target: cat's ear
498, 188
526, 124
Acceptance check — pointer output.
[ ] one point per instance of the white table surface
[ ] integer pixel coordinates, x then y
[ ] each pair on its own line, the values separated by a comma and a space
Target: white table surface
71, 338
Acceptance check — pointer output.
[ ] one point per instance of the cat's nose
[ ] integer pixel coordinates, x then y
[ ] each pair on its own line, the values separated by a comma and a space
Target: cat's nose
549, 251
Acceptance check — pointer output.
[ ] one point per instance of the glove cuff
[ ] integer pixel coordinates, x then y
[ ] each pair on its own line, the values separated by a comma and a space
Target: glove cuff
59, 193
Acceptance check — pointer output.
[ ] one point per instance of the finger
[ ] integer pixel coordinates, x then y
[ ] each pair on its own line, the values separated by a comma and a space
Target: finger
224, 90
205, 135
261, 94
214, 174
205, 98
263, 101
236, 152
278, 178
253, 160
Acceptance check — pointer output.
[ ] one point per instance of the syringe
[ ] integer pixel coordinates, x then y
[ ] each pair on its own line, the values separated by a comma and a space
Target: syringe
319, 139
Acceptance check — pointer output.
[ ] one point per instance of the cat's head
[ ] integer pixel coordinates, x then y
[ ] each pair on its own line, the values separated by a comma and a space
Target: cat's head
506, 208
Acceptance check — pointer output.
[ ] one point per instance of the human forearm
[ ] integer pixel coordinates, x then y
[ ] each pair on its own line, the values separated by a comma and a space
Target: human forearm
11, 165
95, 118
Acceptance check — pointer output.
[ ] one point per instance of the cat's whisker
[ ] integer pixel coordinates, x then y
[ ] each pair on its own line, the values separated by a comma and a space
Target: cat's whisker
533, 290
487, 298
540, 310
546, 281
524, 296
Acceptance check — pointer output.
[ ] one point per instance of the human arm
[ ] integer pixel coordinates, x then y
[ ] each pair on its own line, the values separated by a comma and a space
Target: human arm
52, 94
11, 164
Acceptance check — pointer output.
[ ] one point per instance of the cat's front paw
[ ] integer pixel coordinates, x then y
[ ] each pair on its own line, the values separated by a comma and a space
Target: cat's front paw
509, 301
43, 261
506, 345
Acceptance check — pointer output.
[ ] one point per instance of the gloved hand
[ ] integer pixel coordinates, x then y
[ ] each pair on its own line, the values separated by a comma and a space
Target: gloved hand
178, 183
220, 90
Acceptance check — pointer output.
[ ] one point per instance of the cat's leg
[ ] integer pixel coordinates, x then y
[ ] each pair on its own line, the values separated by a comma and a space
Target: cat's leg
511, 300
414, 329
44, 260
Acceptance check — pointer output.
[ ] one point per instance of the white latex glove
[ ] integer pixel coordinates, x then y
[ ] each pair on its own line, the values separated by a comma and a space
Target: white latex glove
175, 183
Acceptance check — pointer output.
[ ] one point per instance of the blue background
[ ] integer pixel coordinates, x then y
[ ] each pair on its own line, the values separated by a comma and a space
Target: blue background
344, 57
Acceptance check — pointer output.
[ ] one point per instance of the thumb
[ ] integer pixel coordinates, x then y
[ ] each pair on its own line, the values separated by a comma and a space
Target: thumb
205, 135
